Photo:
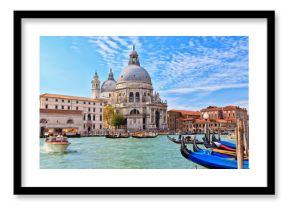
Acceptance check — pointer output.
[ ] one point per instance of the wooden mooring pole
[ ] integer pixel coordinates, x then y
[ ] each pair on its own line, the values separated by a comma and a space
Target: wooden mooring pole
219, 132
240, 145
246, 139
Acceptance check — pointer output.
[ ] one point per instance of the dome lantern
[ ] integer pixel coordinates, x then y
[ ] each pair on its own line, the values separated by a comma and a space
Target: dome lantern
134, 60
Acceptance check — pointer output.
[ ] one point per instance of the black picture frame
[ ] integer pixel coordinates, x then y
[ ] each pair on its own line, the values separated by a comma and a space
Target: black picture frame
269, 16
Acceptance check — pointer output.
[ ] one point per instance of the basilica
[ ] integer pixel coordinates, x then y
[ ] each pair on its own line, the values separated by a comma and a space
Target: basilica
132, 96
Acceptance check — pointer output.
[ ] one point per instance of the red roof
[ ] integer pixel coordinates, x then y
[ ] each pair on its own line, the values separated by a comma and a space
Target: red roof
200, 121
49, 95
211, 109
186, 112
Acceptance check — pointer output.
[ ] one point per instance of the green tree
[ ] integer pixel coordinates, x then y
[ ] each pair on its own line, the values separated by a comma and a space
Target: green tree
118, 120
108, 114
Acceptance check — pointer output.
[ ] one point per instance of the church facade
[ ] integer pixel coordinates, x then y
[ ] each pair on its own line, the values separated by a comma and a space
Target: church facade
132, 96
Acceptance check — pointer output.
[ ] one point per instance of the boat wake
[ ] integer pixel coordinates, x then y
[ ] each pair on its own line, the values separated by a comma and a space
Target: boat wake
46, 150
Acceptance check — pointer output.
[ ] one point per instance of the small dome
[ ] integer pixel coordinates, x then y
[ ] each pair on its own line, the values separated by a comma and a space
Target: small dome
134, 73
108, 86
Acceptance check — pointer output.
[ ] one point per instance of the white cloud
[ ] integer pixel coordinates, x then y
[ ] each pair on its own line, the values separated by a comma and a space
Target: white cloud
196, 66
209, 88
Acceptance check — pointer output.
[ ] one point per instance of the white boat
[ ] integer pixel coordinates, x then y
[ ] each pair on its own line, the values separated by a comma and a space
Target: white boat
56, 144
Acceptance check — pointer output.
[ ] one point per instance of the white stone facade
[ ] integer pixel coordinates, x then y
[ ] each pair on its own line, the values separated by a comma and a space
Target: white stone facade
134, 98
131, 95
90, 111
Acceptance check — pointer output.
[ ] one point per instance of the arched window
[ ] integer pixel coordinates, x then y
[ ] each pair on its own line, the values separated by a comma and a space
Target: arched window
70, 121
134, 112
43, 121
137, 97
131, 97
89, 116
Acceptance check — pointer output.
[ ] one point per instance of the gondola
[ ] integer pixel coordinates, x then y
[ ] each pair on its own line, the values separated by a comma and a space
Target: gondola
209, 159
217, 152
186, 141
143, 135
225, 143
117, 136
219, 144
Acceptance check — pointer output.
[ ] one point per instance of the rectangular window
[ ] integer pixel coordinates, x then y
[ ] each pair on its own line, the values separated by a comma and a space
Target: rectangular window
94, 109
68, 101
100, 126
56, 100
56, 107
89, 109
94, 117
68, 107
62, 107
94, 103
101, 118
84, 102
46, 99
46, 106
62, 101
100, 104
77, 108
89, 103
77, 101
101, 110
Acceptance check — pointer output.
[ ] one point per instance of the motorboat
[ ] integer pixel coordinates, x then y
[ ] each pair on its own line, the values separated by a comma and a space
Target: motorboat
56, 144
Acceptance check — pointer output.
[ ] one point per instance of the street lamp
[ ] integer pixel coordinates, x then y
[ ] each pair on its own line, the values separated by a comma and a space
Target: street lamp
206, 116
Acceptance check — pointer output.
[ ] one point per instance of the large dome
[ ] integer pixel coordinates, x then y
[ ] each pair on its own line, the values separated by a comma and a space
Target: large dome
134, 73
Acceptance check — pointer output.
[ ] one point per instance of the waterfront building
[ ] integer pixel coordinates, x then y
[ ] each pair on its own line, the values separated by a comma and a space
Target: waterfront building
132, 96
220, 118
71, 114
181, 120
224, 118
227, 112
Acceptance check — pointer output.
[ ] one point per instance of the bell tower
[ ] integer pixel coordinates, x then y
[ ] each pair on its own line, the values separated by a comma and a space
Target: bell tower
96, 86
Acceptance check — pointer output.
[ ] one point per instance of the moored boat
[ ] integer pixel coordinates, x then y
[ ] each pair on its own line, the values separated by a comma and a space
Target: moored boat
187, 140
56, 144
210, 159
220, 144
117, 136
144, 135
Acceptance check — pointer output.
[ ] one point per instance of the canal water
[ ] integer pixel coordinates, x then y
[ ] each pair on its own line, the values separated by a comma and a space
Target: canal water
123, 153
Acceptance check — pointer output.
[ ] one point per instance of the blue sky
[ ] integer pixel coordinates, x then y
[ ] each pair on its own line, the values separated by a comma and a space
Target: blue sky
190, 72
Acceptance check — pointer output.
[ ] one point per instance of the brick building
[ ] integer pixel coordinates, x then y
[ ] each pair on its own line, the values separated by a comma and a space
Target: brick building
181, 120
220, 118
